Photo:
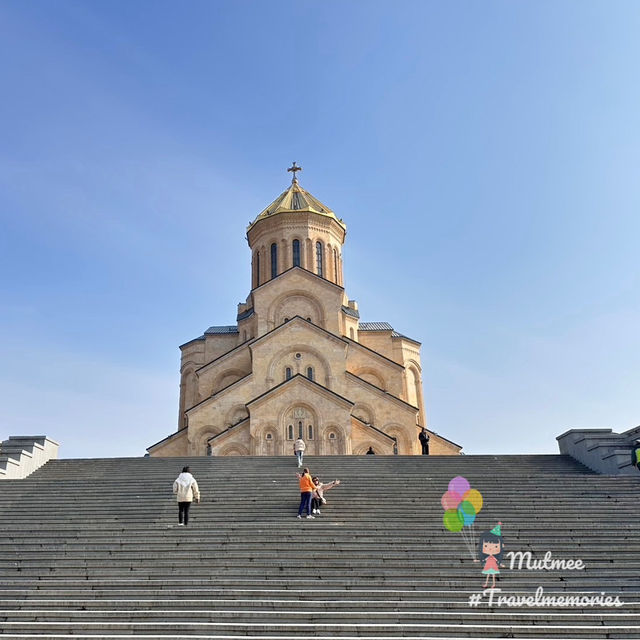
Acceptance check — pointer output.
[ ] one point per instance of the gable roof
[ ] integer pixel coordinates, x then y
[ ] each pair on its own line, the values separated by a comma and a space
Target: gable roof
381, 391
228, 328
219, 391
300, 378
383, 326
171, 436
302, 270
226, 431
288, 323
370, 426
374, 326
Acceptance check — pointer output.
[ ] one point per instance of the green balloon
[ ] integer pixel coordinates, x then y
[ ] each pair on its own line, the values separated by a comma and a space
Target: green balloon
452, 520
467, 513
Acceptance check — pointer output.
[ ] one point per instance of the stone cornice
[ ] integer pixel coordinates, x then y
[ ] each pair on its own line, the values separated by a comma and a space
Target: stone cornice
382, 392
228, 429
375, 353
219, 358
299, 220
370, 426
296, 320
217, 393
300, 379
180, 432
301, 270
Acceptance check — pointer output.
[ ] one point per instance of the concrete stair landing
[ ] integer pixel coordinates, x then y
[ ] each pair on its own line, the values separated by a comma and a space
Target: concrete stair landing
91, 548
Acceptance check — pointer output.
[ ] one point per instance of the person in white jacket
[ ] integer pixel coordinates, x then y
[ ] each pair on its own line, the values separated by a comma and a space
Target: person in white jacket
298, 448
186, 489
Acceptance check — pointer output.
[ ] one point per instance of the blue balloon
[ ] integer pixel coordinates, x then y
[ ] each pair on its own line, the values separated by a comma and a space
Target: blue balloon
467, 513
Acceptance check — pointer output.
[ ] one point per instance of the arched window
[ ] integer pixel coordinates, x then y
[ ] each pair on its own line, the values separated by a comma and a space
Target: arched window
319, 265
296, 253
269, 436
310, 373
335, 263
287, 373
274, 260
258, 269
290, 433
332, 436
300, 434
310, 432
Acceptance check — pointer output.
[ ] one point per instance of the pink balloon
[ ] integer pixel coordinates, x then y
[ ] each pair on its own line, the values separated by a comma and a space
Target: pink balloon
450, 500
459, 485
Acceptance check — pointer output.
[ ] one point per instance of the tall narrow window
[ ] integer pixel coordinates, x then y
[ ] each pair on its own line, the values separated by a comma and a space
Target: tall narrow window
258, 269
287, 373
274, 260
335, 264
310, 432
310, 373
319, 265
300, 434
290, 432
296, 253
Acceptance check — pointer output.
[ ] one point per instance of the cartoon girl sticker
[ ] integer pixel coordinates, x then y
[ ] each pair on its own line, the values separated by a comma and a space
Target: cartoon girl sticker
490, 549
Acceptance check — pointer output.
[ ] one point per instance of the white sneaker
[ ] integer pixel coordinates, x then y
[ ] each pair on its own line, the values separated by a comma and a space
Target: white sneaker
310, 518
299, 517
180, 524
318, 511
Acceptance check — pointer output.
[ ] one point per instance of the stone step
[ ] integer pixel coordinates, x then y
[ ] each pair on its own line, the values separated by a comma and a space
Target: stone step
485, 628
82, 555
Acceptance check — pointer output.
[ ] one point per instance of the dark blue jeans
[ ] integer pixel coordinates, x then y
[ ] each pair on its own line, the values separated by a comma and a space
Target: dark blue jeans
183, 512
305, 502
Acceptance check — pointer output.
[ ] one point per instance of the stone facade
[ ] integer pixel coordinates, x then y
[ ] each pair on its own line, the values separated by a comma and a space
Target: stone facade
299, 361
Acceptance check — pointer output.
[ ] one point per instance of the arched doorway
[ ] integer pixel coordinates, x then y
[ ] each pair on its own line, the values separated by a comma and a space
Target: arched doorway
300, 422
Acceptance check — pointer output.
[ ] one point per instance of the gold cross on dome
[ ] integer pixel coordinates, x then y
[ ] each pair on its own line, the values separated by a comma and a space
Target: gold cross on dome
293, 169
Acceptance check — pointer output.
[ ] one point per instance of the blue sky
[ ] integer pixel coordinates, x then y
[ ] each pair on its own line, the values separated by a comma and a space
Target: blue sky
484, 155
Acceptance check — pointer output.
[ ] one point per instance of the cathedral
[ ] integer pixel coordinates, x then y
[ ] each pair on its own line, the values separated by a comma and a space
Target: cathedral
299, 362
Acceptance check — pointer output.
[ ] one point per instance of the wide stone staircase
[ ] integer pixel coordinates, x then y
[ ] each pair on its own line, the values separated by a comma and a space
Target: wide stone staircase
91, 548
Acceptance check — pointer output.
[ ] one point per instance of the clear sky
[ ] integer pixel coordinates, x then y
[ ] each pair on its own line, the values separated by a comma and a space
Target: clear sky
484, 155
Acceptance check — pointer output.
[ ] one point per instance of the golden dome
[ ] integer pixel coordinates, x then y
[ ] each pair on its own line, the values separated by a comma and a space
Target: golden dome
296, 199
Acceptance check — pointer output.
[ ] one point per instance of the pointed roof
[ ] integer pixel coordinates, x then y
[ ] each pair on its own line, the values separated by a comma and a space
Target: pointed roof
296, 199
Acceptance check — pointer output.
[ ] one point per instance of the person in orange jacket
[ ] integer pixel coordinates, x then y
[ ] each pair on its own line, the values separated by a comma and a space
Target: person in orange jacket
307, 487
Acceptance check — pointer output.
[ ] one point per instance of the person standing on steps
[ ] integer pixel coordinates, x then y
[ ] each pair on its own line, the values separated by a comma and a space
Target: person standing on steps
186, 490
298, 448
424, 441
307, 487
371, 452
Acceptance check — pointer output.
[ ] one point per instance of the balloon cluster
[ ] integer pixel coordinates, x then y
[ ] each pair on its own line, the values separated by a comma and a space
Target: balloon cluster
461, 504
